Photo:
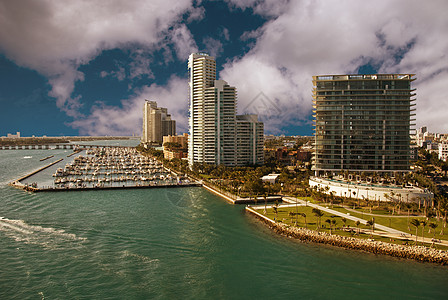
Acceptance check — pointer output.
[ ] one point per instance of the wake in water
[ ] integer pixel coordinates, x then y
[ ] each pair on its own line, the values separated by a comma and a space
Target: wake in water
46, 237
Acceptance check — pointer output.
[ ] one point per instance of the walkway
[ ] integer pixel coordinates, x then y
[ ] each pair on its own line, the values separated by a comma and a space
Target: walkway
388, 231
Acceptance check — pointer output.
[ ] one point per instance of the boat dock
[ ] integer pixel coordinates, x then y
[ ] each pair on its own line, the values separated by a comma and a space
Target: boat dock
104, 169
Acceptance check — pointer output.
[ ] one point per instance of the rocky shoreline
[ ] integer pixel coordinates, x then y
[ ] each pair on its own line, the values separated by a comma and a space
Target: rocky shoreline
418, 253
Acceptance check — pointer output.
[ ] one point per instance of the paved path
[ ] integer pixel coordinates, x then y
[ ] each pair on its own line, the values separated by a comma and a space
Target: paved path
377, 215
390, 232
347, 216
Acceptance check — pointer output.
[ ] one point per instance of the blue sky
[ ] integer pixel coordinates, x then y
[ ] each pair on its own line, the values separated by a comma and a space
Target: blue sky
86, 67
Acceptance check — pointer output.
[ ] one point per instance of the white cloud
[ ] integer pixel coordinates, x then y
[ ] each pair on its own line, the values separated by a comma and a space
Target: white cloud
127, 119
212, 46
183, 41
56, 37
336, 37
269, 8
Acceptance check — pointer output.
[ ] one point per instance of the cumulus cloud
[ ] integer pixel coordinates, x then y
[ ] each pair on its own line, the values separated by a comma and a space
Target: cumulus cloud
337, 37
127, 118
56, 37
212, 46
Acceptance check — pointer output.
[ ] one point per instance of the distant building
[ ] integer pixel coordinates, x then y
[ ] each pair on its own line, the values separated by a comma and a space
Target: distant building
271, 178
157, 123
213, 124
175, 146
443, 150
363, 122
14, 136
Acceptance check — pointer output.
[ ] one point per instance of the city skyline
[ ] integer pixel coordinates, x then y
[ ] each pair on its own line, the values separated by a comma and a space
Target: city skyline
92, 79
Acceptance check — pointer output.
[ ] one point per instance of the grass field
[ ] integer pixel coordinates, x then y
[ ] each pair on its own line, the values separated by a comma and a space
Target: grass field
339, 226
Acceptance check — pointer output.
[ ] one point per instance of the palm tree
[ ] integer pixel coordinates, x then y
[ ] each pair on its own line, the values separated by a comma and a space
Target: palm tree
433, 226
275, 208
333, 222
344, 220
371, 223
357, 225
423, 223
292, 214
304, 216
416, 223
319, 215
329, 223
265, 202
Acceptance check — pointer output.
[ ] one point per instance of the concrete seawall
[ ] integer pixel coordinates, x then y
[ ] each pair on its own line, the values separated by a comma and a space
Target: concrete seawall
418, 253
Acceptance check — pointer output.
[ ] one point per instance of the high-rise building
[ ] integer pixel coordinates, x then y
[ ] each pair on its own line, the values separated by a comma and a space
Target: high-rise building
249, 140
213, 122
202, 76
363, 122
157, 123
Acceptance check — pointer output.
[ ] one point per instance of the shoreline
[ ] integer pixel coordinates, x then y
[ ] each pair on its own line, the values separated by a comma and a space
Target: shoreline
417, 253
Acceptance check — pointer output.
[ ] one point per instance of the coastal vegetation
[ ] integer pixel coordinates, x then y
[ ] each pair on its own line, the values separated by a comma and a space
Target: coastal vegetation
397, 213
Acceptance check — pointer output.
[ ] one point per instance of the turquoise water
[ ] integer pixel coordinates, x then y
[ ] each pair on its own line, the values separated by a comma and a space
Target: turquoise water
183, 243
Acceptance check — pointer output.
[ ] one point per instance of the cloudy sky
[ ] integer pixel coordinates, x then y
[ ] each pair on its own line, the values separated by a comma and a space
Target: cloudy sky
86, 67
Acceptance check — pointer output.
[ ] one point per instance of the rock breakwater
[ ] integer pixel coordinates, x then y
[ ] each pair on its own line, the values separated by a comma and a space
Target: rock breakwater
418, 253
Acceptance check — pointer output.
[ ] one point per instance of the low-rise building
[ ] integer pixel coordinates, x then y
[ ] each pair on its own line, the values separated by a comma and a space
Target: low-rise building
175, 146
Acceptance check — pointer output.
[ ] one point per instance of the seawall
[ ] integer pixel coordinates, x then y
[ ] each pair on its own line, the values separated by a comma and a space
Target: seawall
418, 253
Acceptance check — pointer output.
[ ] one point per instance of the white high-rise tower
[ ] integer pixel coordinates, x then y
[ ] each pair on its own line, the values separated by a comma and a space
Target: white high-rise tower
213, 121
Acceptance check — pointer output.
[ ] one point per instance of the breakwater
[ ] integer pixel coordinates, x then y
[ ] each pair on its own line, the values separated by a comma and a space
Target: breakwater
418, 253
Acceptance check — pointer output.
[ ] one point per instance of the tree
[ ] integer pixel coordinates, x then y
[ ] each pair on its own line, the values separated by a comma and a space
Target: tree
265, 202
318, 213
416, 223
275, 208
344, 220
357, 225
423, 223
433, 226
304, 216
371, 223
329, 223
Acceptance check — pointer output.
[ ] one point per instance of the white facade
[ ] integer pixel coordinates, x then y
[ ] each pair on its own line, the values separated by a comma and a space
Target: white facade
217, 135
443, 150
157, 123
202, 69
370, 191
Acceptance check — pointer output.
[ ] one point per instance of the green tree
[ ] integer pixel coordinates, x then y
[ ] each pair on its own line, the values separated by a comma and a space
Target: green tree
304, 216
357, 225
423, 223
318, 213
371, 223
329, 223
416, 223
433, 226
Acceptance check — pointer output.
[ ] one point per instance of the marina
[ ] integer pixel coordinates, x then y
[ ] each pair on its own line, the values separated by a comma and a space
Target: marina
107, 168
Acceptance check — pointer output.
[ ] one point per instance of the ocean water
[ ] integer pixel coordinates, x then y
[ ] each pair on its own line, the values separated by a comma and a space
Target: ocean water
178, 243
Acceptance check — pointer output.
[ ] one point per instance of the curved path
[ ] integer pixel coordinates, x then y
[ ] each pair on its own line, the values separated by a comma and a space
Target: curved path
390, 232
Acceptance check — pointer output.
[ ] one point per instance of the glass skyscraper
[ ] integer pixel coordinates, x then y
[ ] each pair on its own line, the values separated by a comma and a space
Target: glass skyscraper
363, 122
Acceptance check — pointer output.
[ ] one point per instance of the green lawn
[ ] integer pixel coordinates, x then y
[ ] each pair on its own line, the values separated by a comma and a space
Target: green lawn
311, 223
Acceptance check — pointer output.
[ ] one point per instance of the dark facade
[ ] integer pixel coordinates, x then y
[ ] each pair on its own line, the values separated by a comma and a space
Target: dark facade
363, 122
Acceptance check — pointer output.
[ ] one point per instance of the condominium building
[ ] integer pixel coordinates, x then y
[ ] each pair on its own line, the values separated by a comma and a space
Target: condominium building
250, 140
363, 122
175, 146
443, 150
157, 123
213, 121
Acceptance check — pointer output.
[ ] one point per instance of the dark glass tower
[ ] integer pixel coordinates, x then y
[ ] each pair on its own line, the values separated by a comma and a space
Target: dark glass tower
363, 122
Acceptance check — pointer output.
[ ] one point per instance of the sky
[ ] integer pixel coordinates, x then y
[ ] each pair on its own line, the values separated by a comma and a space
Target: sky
86, 67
